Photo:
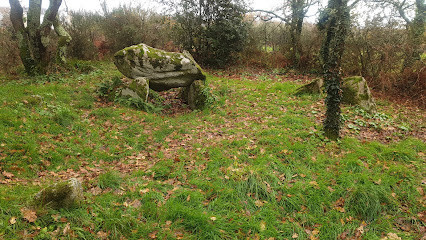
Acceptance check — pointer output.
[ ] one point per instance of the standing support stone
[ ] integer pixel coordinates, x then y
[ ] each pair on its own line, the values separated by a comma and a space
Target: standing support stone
198, 95
138, 88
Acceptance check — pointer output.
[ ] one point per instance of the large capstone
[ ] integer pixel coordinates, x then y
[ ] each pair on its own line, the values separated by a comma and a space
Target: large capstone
355, 91
164, 70
64, 194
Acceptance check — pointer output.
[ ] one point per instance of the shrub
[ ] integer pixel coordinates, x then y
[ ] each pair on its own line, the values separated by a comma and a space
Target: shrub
213, 31
84, 30
8, 48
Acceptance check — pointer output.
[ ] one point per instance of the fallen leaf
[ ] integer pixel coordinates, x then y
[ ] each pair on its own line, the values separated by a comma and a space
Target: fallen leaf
67, 229
315, 184
95, 190
259, 203
295, 235
12, 220
153, 235
143, 191
262, 226
55, 217
340, 209
136, 203
102, 235
8, 174
29, 215
391, 236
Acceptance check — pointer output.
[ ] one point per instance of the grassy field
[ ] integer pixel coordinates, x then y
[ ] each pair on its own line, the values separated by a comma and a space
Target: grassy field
254, 165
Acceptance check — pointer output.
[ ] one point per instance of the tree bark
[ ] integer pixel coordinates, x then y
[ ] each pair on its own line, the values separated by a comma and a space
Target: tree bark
33, 40
335, 21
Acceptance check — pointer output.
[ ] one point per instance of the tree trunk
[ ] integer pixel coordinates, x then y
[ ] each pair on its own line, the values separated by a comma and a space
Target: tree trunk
296, 25
335, 22
33, 40
416, 30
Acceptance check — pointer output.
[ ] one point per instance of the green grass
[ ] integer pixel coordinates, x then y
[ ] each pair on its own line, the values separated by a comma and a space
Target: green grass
253, 165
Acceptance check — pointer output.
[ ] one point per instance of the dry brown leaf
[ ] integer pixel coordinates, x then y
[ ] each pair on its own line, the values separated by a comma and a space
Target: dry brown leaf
259, 203
102, 235
8, 174
153, 235
315, 184
340, 209
55, 217
136, 203
262, 226
12, 220
95, 190
295, 235
67, 229
29, 215
143, 191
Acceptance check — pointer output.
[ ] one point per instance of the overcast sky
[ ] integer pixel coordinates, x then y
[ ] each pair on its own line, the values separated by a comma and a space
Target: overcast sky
95, 6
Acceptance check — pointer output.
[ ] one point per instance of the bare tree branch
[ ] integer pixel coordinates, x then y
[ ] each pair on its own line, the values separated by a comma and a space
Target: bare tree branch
271, 13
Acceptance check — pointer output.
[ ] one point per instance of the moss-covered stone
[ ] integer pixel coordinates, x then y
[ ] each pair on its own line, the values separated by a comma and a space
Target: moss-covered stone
164, 70
355, 91
314, 87
198, 95
33, 100
60, 195
138, 88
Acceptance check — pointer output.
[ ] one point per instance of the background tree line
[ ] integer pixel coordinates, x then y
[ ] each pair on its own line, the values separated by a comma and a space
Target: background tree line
387, 47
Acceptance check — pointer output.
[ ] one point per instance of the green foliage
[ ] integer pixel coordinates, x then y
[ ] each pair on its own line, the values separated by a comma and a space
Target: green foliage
213, 31
138, 103
84, 30
107, 89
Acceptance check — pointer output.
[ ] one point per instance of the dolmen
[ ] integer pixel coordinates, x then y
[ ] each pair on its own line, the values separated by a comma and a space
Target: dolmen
158, 70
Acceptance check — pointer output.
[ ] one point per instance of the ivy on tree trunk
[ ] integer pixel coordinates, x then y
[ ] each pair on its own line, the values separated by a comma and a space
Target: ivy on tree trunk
335, 22
33, 39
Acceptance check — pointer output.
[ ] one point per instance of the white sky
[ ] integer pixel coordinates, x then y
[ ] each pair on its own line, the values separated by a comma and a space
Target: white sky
94, 5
